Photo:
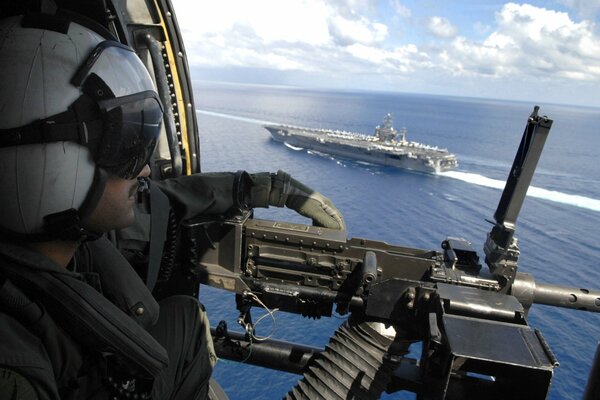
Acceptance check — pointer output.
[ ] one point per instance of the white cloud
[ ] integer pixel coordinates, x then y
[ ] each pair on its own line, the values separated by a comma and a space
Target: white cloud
529, 41
586, 8
306, 35
352, 8
267, 20
481, 28
400, 60
400, 9
347, 32
441, 27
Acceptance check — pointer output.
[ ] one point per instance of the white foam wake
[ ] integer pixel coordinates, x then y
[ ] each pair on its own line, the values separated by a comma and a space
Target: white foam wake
292, 147
540, 193
235, 117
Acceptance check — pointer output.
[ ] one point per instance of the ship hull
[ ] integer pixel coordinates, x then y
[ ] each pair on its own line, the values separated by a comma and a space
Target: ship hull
411, 160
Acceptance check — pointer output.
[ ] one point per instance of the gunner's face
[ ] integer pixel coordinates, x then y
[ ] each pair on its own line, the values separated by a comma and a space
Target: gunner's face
115, 208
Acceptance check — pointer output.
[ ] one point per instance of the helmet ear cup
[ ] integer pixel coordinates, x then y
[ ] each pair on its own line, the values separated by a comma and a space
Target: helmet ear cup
38, 180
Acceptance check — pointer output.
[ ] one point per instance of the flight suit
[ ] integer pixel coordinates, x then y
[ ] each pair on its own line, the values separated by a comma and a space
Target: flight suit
56, 357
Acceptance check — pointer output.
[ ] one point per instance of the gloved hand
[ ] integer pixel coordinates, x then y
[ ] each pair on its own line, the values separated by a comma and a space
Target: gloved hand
215, 193
281, 189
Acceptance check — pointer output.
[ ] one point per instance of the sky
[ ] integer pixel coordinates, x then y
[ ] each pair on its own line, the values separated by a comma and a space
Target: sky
543, 51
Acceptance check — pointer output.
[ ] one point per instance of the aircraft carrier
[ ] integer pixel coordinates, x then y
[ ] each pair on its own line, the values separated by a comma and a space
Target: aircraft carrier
387, 146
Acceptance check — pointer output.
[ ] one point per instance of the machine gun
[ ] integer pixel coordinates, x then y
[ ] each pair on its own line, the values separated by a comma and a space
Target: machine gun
471, 321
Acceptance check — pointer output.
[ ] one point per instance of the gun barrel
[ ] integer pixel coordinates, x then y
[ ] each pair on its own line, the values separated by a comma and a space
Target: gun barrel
568, 297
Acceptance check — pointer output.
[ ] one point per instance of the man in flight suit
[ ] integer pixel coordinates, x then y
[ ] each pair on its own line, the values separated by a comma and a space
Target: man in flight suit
79, 122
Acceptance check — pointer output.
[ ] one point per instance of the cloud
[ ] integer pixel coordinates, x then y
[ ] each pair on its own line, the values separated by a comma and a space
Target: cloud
529, 41
346, 32
352, 8
272, 21
441, 27
481, 29
587, 9
307, 35
343, 38
398, 61
400, 9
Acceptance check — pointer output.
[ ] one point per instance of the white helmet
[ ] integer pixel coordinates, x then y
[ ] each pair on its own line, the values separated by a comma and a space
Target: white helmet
73, 107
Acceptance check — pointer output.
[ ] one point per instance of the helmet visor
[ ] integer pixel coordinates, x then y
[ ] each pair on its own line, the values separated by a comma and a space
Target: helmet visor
118, 66
131, 130
132, 118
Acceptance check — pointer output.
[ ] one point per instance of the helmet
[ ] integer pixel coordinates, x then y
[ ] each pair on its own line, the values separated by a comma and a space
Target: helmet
74, 108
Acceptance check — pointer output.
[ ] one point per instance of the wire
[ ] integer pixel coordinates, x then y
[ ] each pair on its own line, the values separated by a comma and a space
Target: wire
270, 313
250, 328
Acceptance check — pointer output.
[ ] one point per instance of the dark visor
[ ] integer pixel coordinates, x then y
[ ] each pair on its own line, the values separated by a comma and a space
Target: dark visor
132, 118
131, 130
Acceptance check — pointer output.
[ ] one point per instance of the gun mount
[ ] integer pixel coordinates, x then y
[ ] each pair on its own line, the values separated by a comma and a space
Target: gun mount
472, 321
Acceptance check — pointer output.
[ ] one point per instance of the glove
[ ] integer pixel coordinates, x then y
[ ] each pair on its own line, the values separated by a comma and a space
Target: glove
281, 189
217, 193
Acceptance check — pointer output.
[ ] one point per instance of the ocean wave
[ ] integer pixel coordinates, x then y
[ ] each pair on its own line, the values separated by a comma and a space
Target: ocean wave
537, 192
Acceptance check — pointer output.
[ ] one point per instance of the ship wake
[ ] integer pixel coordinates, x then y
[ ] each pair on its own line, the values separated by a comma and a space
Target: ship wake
537, 192
235, 117
292, 147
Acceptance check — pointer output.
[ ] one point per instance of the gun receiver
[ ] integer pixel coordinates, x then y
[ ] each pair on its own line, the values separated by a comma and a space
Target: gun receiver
472, 322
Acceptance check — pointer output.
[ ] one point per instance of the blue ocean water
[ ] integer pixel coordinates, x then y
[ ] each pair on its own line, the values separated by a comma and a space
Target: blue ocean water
558, 228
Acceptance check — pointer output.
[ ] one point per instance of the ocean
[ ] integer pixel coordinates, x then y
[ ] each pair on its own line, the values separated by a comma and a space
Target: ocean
558, 228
